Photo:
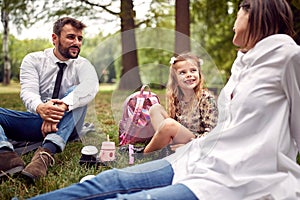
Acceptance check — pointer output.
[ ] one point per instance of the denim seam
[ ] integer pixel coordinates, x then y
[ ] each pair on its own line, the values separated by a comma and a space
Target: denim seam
132, 190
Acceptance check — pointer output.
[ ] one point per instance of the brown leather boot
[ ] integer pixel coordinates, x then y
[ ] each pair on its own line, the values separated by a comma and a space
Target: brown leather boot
10, 163
38, 166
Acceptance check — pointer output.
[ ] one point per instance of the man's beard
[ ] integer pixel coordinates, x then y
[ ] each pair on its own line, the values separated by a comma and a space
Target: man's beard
65, 52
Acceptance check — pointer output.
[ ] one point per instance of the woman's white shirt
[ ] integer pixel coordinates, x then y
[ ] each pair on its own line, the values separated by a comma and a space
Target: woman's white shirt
251, 153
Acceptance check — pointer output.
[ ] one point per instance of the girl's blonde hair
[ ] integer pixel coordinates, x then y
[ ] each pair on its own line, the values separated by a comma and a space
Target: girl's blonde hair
173, 91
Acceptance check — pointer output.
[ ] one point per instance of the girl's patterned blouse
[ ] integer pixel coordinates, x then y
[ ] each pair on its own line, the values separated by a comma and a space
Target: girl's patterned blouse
198, 116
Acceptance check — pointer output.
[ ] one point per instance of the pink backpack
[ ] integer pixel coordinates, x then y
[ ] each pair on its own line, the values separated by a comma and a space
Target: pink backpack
135, 125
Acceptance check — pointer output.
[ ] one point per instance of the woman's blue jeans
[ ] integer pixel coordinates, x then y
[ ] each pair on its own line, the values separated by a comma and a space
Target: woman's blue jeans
152, 180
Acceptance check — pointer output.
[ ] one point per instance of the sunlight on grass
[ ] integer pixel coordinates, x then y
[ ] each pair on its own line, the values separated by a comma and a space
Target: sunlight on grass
13, 87
107, 87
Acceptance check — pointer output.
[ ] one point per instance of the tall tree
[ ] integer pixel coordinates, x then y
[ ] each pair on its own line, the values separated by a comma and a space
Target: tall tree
130, 78
18, 12
7, 66
182, 26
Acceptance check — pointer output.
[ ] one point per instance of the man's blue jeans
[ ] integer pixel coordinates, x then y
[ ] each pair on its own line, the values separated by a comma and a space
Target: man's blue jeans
26, 126
150, 180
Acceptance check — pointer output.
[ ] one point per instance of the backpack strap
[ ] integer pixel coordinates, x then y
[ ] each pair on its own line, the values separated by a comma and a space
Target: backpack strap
138, 109
135, 120
143, 88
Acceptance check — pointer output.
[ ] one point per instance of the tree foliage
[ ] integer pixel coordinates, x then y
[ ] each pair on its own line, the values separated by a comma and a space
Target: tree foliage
19, 12
18, 49
211, 24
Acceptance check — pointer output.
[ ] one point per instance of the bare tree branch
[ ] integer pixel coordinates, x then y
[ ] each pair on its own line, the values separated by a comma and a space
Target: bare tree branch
104, 7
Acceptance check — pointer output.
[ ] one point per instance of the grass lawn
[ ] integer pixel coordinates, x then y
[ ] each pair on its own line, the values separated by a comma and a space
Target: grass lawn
67, 169
103, 112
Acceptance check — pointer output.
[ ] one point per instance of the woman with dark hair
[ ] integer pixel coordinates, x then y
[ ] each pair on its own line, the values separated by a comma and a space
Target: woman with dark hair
251, 153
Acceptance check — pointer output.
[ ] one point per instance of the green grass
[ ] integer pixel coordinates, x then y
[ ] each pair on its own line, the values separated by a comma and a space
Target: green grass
13, 87
67, 170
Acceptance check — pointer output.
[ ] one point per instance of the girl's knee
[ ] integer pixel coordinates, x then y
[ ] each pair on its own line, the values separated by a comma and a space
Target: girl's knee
169, 126
155, 109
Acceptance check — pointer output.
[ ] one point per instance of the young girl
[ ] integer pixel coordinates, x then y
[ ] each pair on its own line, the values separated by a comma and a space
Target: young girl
192, 110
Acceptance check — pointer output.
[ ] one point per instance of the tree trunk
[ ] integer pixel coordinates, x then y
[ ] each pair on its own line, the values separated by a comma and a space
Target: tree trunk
130, 77
7, 67
296, 12
295, 7
182, 23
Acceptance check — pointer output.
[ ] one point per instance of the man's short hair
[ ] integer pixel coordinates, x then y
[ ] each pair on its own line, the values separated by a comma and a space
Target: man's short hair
59, 24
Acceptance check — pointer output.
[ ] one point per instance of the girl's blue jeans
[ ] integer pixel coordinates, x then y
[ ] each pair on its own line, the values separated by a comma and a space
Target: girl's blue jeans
152, 180
26, 126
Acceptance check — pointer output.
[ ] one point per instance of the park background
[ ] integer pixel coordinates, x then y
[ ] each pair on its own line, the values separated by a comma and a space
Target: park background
153, 29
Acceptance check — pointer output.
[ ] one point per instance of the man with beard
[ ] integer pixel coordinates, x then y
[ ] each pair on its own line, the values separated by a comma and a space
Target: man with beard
56, 86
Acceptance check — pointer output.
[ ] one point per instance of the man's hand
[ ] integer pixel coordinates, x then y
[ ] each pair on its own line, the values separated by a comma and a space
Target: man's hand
48, 127
52, 111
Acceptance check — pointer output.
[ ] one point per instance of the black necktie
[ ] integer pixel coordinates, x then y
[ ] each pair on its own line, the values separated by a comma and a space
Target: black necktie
58, 79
